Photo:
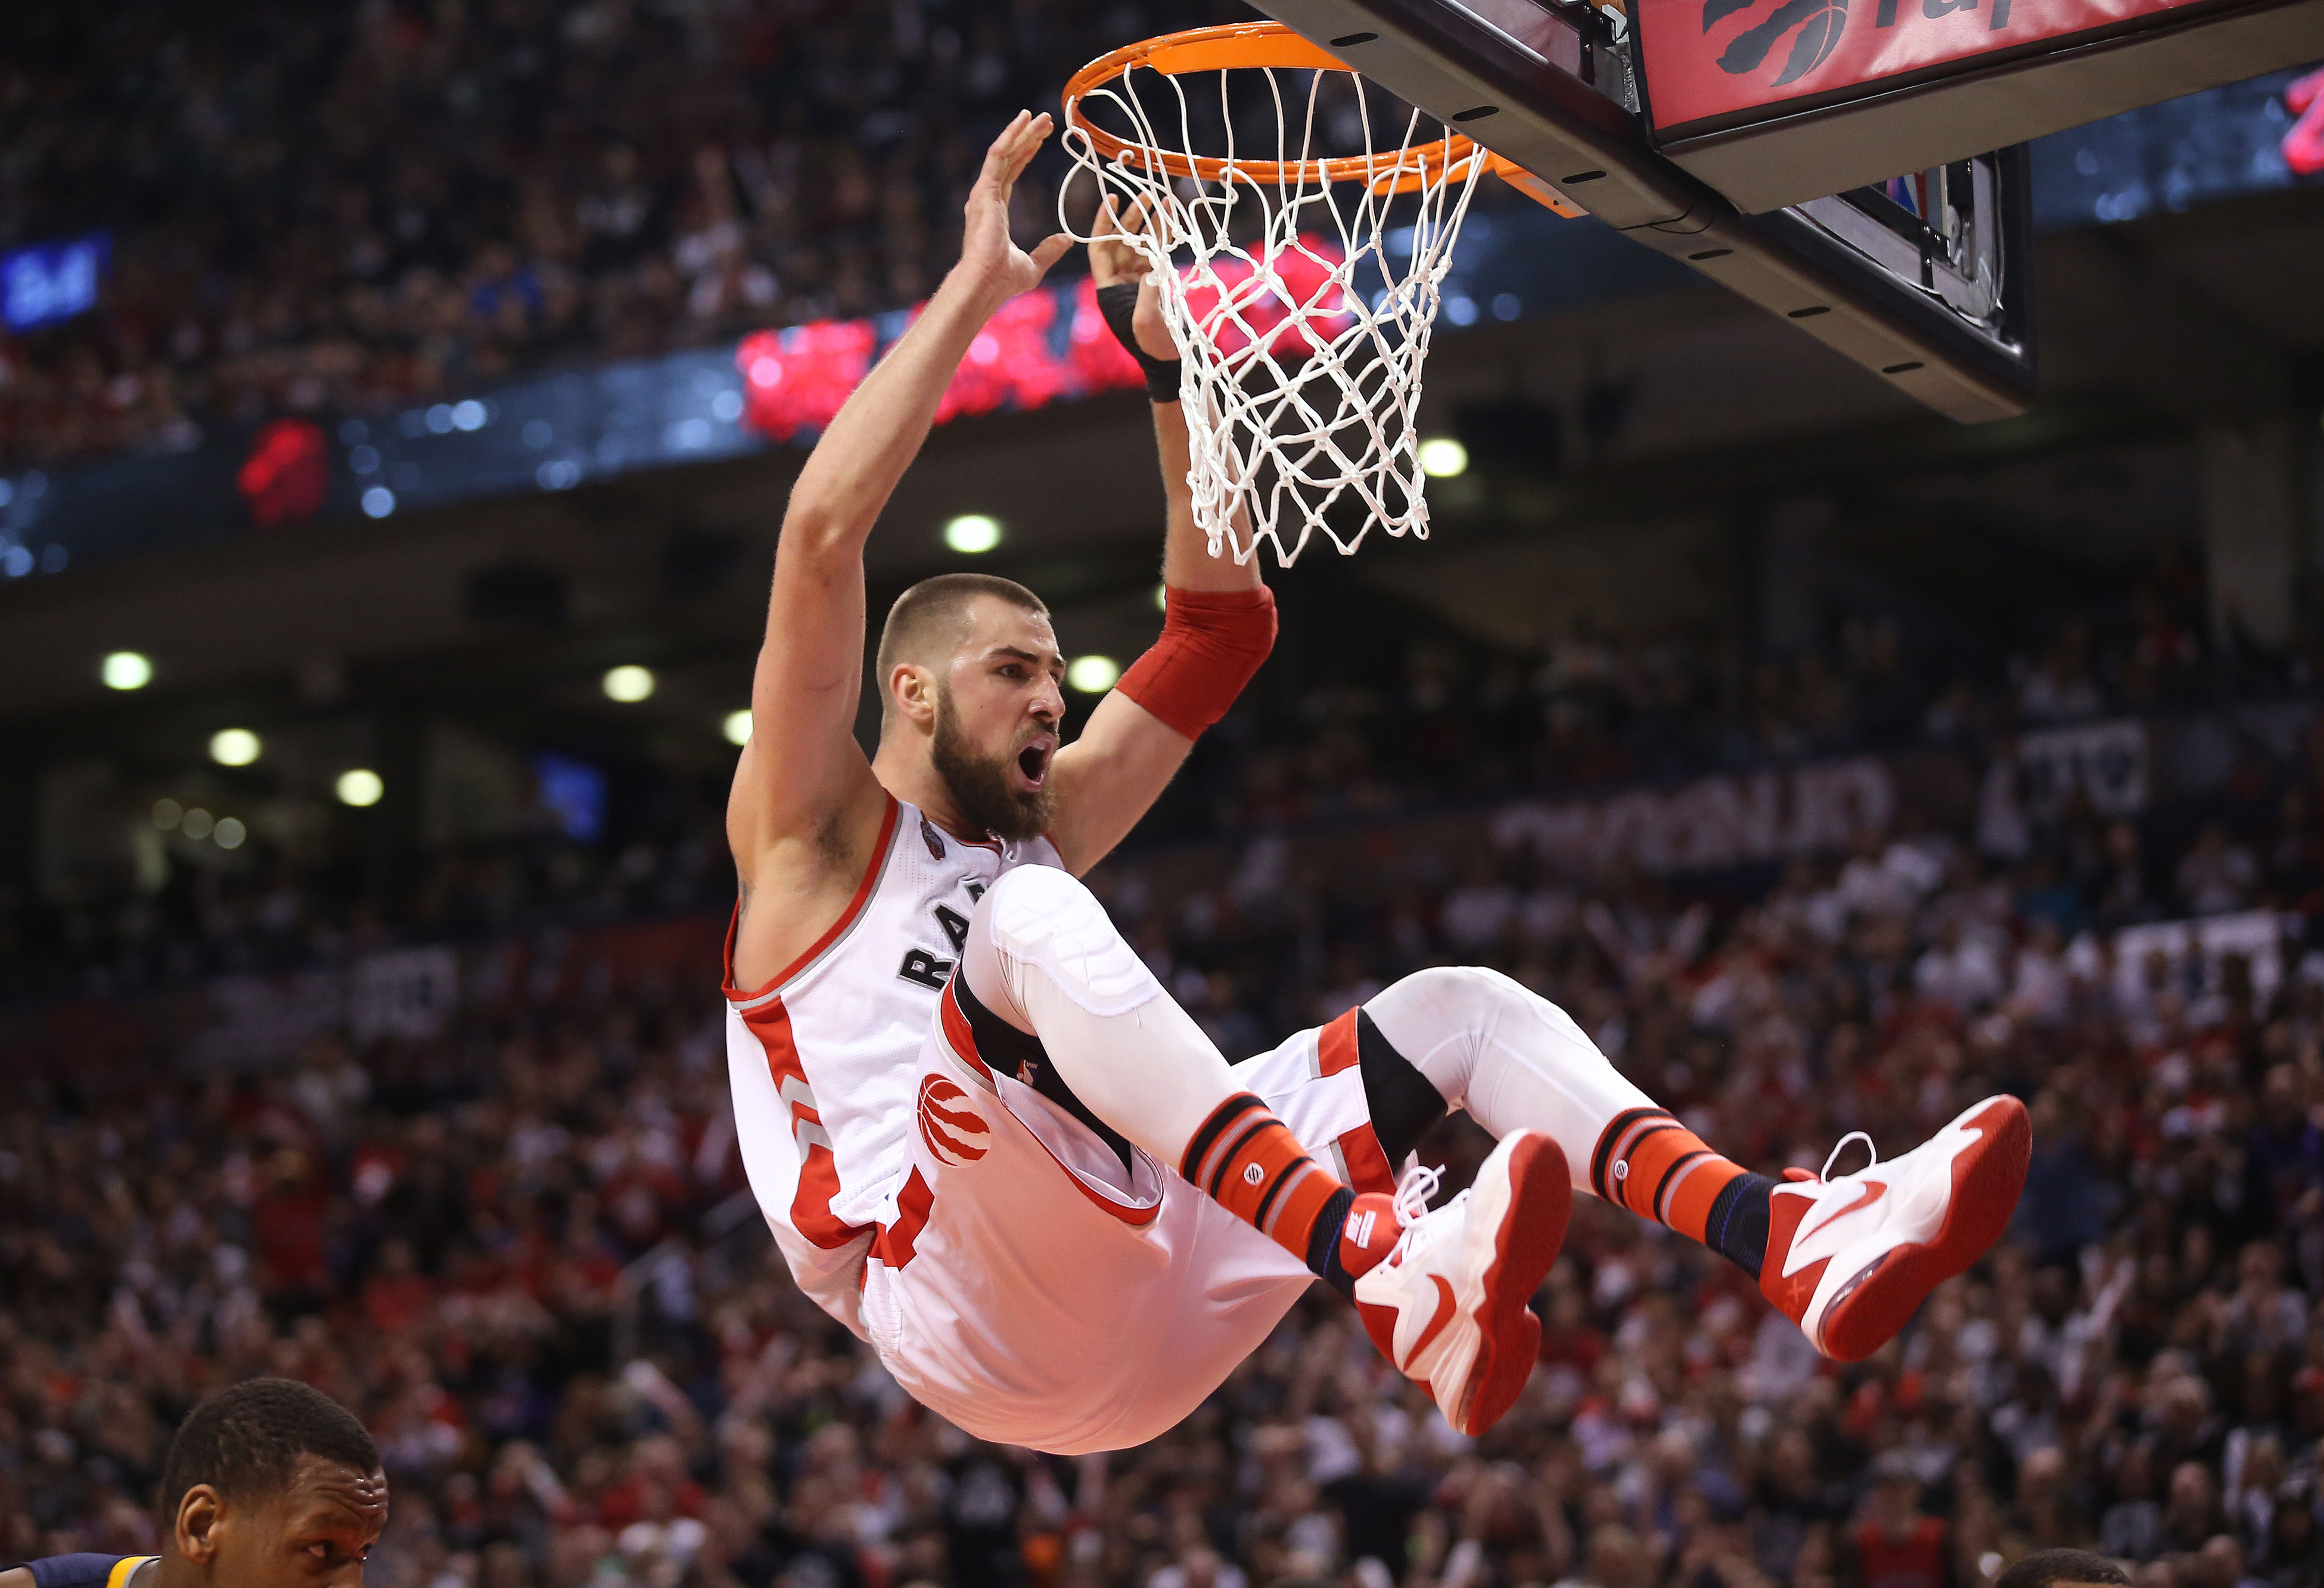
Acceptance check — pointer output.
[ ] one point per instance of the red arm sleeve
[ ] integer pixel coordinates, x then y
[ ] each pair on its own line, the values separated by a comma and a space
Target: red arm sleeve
1212, 642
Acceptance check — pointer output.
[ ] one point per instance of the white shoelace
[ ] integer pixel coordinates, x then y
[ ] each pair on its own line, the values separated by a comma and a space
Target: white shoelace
1414, 1189
1833, 1155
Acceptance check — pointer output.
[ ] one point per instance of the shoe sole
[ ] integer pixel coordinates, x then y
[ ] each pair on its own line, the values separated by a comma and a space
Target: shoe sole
1986, 1180
1541, 1202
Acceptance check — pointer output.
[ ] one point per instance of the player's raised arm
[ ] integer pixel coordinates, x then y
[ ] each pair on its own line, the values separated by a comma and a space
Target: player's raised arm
804, 806
1217, 626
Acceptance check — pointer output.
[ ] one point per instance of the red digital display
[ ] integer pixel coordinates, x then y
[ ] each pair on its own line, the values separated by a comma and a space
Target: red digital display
1047, 343
1712, 63
795, 379
287, 474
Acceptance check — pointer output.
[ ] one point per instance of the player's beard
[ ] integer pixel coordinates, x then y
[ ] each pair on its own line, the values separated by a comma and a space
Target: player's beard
978, 784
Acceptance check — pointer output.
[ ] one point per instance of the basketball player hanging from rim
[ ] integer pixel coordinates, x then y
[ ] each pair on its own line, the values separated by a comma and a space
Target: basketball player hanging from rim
989, 1143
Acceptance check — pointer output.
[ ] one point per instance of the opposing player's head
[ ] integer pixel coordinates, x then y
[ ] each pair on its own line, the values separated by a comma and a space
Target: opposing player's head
971, 676
2064, 1568
271, 1484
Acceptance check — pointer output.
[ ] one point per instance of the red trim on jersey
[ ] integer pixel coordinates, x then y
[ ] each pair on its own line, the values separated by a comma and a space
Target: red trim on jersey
818, 1178
846, 916
896, 1244
1369, 1168
960, 1035
1335, 1044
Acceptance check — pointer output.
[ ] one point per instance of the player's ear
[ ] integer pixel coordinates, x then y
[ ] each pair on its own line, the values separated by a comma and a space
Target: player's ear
912, 689
200, 1517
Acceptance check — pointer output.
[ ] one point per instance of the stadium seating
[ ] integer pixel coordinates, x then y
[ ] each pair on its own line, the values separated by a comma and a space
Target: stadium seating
513, 1234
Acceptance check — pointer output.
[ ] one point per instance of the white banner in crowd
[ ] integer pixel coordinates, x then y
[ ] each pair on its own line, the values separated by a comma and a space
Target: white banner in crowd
2190, 952
406, 993
258, 1021
2106, 761
262, 1021
1721, 821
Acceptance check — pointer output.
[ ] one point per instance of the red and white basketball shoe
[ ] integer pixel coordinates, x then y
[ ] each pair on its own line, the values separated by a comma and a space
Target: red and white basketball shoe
1447, 1304
1849, 1260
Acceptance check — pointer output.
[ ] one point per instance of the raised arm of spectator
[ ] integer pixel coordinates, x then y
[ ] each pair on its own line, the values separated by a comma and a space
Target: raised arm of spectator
804, 805
1218, 624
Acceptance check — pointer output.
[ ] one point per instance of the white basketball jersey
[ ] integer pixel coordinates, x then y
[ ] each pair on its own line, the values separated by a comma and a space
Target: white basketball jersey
825, 1057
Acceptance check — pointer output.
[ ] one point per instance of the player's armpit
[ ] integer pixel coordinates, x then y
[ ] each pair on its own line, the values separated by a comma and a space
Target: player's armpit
793, 886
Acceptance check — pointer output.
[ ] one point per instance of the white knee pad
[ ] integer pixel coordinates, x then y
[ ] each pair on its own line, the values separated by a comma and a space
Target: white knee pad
1040, 917
1438, 1019
1509, 1056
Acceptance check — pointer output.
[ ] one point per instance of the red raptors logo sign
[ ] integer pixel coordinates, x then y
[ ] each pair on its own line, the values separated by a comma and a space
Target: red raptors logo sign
1812, 26
1712, 65
948, 1125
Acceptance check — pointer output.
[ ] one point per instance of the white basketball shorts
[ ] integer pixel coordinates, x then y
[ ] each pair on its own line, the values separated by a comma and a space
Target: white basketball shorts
1034, 1292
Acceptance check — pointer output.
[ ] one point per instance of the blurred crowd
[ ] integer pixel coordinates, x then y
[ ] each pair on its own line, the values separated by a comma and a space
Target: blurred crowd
342, 207
517, 1240
1346, 732
1365, 730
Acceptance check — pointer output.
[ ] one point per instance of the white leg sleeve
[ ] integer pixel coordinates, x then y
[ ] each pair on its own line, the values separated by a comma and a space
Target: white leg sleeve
1042, 956
1513, 1059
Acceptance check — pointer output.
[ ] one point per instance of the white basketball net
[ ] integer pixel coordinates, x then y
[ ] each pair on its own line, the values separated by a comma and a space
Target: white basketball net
1301, 344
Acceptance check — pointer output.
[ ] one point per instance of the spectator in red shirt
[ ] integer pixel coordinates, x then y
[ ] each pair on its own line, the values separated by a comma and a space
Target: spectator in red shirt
1897, 1545
397, 1297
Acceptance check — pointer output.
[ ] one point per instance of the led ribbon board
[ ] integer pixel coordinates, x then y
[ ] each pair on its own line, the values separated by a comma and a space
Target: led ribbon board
1776, 102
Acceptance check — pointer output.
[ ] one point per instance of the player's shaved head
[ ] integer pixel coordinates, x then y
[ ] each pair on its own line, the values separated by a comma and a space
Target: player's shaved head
929, 621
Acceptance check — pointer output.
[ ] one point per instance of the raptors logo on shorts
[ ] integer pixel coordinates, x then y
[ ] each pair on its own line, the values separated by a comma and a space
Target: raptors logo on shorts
948, 1125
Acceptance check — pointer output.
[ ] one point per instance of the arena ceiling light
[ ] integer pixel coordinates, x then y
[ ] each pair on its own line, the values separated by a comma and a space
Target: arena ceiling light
629, 685
229, 833
1441, 457
234, 747
126, 670
973, 532
168, 814
1092, 675
359, 786
737, 727
198, 825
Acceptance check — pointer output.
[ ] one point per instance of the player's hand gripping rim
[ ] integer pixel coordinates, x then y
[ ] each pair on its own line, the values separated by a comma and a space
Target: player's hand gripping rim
1115, 259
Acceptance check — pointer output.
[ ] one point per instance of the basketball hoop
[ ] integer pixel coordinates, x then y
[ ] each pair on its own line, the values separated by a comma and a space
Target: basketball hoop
1304, 315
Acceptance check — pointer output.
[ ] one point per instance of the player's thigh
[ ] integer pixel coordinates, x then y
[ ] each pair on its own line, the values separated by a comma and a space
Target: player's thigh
1312, 1083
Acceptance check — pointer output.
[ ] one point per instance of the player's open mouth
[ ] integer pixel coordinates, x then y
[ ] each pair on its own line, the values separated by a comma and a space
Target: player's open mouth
1033, 761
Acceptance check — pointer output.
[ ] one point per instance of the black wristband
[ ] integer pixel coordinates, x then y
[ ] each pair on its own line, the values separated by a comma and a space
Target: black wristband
1119, 305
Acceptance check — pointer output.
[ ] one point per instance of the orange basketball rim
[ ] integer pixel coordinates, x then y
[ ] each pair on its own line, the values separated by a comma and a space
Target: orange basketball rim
1263, 46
